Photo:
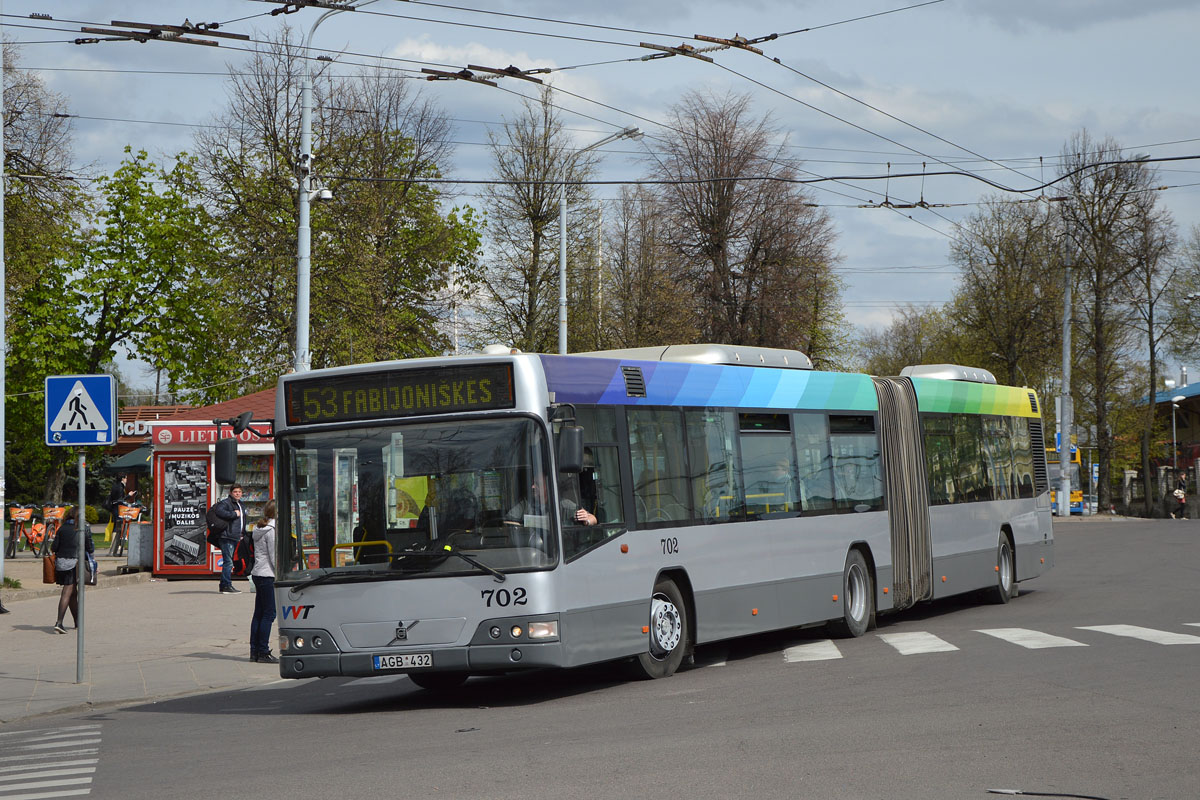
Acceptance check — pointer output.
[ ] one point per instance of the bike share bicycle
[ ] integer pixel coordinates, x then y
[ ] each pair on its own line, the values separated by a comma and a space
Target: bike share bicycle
24, 530
127, 514
53, 517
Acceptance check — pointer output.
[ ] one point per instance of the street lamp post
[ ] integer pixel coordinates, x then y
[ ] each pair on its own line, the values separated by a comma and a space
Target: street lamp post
1175, 401
630, 133
303, 233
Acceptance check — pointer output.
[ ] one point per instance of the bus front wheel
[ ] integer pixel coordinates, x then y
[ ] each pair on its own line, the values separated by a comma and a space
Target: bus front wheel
858, 598
668, 635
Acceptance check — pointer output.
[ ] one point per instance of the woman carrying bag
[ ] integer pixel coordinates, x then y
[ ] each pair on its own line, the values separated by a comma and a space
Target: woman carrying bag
66, 555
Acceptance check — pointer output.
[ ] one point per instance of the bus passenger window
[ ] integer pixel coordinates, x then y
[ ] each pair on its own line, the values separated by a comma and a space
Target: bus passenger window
857, 475
659, 465
812, 458
714, 466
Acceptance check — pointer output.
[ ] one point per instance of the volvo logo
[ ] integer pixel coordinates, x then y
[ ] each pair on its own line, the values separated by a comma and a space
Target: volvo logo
402, 631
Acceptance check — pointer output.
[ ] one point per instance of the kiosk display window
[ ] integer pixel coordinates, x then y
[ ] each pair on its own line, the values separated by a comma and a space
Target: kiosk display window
185, 501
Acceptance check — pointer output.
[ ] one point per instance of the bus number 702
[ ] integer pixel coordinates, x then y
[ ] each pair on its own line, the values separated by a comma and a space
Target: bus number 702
503, 597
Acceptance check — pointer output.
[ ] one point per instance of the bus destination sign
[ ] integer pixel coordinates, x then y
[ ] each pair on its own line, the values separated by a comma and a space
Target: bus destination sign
400, 393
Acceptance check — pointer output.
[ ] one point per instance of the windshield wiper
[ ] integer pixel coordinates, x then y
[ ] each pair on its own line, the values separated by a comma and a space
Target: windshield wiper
333, 573
446, 552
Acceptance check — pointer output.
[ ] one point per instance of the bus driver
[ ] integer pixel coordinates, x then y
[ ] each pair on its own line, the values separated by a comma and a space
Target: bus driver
537, 503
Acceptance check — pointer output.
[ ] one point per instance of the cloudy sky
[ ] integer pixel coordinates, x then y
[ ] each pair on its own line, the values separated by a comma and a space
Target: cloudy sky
993, 87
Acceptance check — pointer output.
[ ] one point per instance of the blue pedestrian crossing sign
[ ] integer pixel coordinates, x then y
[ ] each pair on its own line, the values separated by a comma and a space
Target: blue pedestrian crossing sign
81, 410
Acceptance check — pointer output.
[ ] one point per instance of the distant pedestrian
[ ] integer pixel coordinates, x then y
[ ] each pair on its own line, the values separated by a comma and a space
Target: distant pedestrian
66, 554
233, 512
263, 575
119, 495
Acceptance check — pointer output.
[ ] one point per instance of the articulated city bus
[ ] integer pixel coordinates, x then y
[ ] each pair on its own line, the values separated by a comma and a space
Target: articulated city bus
448, 517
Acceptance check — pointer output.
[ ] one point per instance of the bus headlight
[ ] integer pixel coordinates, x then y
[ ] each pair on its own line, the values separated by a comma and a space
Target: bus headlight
543, 630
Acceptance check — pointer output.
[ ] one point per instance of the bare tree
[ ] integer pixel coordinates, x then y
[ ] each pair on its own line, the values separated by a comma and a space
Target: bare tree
650, 301
1104, 218
518, 298
1149, 285
760, 253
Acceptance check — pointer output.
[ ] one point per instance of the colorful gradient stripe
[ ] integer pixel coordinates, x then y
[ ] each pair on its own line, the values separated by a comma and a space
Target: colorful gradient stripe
585, 379
961, 397
599, 381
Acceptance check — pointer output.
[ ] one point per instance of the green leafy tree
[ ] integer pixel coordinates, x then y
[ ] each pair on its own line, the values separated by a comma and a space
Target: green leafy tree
390, 255
1008, 303
132, 283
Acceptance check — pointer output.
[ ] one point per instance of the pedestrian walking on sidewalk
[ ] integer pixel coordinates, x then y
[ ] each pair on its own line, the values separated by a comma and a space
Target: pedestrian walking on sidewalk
263, 576
233, 512
66, 554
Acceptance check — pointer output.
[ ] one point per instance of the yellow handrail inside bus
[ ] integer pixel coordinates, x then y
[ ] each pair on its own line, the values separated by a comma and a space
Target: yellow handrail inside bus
352, 545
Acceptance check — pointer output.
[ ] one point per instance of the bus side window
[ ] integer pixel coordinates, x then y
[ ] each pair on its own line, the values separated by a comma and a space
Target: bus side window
715, 472
857, 474
659, 461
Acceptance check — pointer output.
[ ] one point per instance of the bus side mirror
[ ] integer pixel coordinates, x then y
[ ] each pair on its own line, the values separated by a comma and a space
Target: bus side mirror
570, 449
225, 460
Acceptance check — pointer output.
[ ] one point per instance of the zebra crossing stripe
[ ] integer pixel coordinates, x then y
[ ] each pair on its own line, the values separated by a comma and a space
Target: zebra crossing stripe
824, 650
917, 642
1145, 634
1034, 640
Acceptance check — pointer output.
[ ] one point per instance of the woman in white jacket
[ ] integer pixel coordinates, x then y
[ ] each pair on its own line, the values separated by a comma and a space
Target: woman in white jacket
263, 575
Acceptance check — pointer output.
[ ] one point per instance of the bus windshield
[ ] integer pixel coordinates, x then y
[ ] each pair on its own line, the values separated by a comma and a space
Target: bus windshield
401, 500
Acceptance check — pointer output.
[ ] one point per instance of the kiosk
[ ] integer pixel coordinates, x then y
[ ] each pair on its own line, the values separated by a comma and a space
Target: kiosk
184, 488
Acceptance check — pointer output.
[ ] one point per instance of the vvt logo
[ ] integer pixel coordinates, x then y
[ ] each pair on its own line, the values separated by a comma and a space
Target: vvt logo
295, 612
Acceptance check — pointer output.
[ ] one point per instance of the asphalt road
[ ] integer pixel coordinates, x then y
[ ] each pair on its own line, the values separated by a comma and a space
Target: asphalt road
941, 701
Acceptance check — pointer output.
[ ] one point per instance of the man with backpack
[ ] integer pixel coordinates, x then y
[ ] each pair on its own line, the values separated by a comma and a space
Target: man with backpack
231, 511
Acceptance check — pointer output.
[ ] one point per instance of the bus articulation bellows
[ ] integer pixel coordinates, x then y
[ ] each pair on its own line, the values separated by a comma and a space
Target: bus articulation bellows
446, 517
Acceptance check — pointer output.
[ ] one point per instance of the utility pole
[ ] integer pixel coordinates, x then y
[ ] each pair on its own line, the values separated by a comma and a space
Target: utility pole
3, 305
303, 360
1068, 409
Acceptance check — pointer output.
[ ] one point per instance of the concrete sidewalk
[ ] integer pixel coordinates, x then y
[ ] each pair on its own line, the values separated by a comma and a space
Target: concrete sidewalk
144, 640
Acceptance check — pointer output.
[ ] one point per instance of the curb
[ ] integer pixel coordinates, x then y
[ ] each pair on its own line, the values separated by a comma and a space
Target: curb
106, 581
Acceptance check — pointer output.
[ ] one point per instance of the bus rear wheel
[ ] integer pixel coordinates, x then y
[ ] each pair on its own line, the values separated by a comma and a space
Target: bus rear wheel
858, 598
669, 632
1006, 586
438, 681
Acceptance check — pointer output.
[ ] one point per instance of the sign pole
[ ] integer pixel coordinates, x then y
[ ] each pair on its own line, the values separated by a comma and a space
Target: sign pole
81, 411
81, 565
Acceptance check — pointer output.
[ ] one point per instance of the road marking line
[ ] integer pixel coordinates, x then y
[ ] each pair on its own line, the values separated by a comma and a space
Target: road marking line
45, 773
83, 762
44, 795
1034, 640
48, 784
911, 644
1145, 634
817, 651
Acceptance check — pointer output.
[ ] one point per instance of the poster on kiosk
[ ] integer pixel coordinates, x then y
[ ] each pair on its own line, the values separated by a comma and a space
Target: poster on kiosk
185, 486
